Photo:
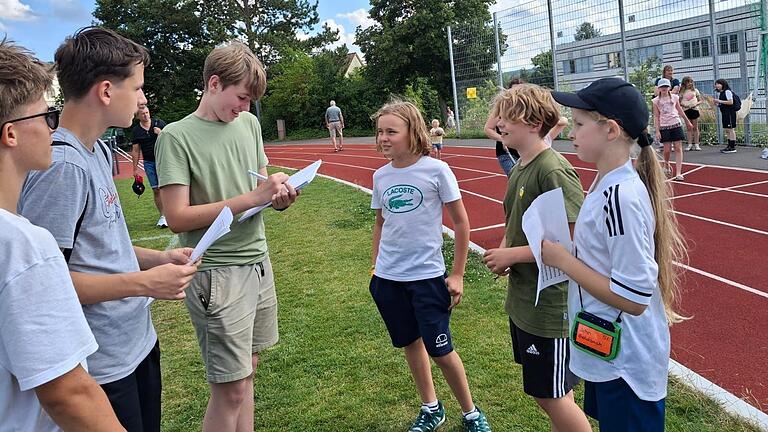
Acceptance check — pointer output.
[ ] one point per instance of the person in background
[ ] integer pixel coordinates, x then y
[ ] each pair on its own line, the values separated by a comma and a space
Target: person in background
144, 138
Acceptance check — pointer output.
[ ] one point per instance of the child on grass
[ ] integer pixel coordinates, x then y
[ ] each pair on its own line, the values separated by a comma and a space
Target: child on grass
525, 114
408, 284
623, 274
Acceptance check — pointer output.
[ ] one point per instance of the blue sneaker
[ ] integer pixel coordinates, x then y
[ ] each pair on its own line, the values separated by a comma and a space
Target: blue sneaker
428, 421
480, 424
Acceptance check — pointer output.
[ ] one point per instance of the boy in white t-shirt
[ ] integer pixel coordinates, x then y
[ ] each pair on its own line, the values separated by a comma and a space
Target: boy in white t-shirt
436, 137
44, 385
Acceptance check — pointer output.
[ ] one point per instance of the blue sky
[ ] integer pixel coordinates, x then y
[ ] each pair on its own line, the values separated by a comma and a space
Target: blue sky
41, 25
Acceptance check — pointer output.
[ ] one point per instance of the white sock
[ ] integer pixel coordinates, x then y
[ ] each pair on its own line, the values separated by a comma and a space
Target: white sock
431, 406
472, 414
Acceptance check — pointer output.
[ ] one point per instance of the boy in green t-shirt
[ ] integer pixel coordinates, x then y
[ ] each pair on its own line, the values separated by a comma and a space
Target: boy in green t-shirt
202, 165
525, 115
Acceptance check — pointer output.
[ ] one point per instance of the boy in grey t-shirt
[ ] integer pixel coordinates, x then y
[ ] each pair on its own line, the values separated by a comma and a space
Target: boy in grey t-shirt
44, 383
101, 75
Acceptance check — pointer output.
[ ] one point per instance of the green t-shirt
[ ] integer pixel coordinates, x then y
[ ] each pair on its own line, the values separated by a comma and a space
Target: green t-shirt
213, 159
548, 170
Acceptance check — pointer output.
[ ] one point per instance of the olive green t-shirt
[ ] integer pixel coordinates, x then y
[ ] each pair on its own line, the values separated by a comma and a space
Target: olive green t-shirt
547, 171
213, 159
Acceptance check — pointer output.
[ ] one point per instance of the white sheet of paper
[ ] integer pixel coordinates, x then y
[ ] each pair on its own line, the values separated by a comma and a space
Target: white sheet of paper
218, 228
546, 219
298, 180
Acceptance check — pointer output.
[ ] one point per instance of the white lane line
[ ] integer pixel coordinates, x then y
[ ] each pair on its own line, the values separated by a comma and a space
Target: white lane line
724, 280
481, 196
694, 170
715, 221
712, 189
158, 237
479, 178
501, 225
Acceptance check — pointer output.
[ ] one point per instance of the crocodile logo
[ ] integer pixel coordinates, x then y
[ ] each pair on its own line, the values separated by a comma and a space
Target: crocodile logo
395, 203
402, 198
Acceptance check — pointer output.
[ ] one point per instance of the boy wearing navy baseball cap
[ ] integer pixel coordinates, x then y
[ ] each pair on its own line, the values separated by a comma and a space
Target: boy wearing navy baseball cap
623, 281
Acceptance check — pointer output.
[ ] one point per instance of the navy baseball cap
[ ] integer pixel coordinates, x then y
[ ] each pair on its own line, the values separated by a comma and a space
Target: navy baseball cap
613, 98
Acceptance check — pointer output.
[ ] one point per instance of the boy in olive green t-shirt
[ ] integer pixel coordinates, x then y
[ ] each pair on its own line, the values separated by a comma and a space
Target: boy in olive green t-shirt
539, 334
202, 166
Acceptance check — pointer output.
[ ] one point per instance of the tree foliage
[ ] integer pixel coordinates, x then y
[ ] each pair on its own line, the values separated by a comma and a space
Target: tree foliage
271, 27
542, 72
408, 41
585, 31
178, 39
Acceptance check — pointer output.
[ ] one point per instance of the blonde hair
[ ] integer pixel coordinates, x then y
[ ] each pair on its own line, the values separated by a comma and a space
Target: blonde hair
23, 79
685, 83
669, 242
419, 142
234, 63
529, 104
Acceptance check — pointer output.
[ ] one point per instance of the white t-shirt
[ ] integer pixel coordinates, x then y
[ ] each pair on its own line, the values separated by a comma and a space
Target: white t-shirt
614, 236
44, 333
411, 201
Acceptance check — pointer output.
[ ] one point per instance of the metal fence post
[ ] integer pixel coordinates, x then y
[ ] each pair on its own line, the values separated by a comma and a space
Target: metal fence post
744, 74
624, 59
498, 50
715, 64
552, 43
453, 83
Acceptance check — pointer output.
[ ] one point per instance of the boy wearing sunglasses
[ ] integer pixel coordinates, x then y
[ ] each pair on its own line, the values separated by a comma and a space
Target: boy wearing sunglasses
101, 75
45, 339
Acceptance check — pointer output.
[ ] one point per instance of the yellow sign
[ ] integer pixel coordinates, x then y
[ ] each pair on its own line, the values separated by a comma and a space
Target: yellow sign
471, 92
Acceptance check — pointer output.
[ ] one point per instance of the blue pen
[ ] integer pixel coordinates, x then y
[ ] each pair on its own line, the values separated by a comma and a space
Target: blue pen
257, 175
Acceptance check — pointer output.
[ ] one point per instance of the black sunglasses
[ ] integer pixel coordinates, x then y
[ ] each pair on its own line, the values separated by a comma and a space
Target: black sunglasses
51, 118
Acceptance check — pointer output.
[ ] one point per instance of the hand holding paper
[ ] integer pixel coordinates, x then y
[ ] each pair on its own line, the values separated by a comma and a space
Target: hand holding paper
546, 219
298, 180
218, 228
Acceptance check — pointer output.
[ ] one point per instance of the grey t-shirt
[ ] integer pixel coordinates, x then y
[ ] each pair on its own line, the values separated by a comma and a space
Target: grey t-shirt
333, 114
54, 199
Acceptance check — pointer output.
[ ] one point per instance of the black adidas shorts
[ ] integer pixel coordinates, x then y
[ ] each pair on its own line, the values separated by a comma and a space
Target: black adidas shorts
545, 364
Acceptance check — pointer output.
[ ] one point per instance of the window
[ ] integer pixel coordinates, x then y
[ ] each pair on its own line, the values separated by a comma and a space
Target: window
729, 43
638, 56
696, 48
577, 66
614, 60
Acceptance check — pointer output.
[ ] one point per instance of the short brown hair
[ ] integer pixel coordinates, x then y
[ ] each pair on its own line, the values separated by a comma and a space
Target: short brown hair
234, 63
23, 79
94, 54
419, 142
527, 103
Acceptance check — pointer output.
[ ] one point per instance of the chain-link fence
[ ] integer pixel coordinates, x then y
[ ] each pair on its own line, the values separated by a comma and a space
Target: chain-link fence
566, 45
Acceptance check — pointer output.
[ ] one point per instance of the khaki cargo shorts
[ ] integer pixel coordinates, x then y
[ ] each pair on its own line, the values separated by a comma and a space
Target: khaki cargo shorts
335, 128
234, 312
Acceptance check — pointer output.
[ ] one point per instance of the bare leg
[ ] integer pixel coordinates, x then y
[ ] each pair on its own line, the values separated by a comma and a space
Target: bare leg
666, 156
456, 377
421, 370
158, 203
678, 157
224, 406
695, 133
564, 414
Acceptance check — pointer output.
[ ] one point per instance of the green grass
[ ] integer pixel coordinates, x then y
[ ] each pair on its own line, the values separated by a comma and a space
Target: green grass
334, 368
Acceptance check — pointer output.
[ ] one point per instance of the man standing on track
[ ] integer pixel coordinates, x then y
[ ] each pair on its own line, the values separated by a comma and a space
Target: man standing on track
334, 121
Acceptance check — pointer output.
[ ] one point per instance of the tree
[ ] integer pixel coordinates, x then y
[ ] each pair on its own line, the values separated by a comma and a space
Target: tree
541, 73
585, 31
644, 75
408, 41
178, 39
270, 27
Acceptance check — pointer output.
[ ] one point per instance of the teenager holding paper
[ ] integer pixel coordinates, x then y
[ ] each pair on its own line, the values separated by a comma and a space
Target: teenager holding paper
202, 162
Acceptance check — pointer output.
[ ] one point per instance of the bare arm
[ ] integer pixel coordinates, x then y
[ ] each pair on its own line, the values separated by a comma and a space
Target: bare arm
559, 127
183, 217
341, 119
681, 113
77, 403
656, 121
593, 282
135, 153
458, 215
376, 237
490, 128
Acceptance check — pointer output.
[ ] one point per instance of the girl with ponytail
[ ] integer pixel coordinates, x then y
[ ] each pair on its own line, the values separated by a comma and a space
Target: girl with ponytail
624, 282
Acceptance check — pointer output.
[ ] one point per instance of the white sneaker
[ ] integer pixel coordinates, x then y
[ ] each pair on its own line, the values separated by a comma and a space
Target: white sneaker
162, 223
696, 147
764, 155
689, 147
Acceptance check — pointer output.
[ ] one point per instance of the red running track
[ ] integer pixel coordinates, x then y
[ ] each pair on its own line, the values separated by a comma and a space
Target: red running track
723, 214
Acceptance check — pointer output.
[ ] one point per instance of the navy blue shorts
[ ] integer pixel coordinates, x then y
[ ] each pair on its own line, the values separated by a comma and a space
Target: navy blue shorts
617, 408
415, 309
